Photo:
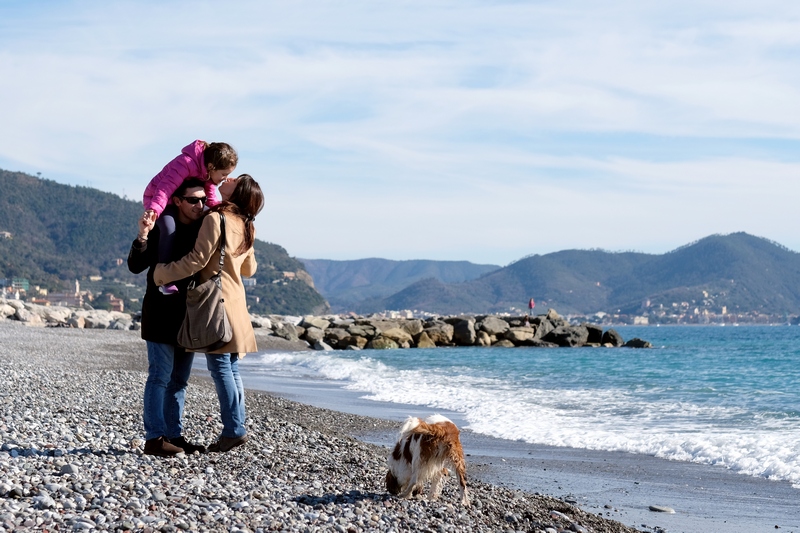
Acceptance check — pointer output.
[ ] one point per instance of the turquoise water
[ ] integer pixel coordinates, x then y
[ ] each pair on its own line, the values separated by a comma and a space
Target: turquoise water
716, 395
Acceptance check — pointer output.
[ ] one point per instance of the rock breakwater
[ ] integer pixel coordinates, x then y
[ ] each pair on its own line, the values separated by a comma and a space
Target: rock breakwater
335, 332
356, 333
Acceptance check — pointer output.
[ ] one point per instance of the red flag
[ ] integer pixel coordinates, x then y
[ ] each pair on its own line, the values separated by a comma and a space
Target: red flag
531, 304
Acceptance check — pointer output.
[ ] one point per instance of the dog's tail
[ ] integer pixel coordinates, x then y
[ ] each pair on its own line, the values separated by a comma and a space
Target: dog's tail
409, 425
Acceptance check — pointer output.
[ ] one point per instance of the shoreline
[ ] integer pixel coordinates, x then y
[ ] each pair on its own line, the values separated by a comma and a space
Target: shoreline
621, 486
70, 456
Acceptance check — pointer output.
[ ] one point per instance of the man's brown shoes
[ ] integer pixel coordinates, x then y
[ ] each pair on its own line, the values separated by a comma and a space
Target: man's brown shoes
187, 446
225, 444
161, 447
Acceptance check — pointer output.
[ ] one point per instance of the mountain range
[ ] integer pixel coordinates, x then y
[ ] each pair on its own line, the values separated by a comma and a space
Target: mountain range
734, 273
346, 284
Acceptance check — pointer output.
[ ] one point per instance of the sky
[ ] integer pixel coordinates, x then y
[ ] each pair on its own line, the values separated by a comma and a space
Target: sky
483, 131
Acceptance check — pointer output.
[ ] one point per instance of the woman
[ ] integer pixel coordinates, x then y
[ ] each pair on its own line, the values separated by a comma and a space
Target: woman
242, 200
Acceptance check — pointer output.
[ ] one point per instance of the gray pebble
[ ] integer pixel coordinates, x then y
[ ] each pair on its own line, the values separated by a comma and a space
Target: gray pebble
71, 459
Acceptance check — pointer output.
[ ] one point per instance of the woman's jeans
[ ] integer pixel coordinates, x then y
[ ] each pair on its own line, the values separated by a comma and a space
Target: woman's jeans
168, 373
224, 369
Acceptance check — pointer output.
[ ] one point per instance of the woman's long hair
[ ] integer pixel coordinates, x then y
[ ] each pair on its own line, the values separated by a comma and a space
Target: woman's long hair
246, 201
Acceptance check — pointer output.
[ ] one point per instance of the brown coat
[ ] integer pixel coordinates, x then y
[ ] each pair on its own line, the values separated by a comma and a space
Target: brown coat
205, 260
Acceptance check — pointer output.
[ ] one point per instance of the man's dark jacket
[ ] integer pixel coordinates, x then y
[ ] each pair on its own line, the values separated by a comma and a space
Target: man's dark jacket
162, 315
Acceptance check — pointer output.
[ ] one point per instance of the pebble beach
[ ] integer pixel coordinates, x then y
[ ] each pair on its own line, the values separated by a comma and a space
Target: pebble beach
71, 458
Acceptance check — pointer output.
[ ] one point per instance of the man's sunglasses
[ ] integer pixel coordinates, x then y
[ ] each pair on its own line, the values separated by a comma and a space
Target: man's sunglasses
194, 199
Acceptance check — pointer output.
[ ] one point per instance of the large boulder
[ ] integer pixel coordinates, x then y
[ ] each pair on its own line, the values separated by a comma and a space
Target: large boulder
379, 324
552, 315
543, 327
636, 342
519, 335
342, 322
441, 333
382, 343
494, 326
121, 324
555, 319
76, 322
59, 314
260, 322
464, 332
423, 341
504, 343
316, 322
483, 339
334, 335
453, 320
98, 319
6, 310
612, 338
568, 336
538, 343
314, 335
294, 320
352, 341
362, 330
412, 326
595, 334
398, 335
321, 346
29, 317
286, 330
16, 304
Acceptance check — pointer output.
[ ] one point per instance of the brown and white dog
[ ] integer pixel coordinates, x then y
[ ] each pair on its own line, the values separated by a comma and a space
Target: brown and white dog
424, 450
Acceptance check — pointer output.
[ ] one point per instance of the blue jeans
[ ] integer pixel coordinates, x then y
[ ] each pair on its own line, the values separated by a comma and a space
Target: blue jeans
224, 370
168, 373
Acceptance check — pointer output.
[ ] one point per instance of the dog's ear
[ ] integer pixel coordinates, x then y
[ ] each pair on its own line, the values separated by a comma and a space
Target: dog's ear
391, 484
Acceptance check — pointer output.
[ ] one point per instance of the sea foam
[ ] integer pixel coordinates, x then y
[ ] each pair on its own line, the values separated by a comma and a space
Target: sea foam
609, 419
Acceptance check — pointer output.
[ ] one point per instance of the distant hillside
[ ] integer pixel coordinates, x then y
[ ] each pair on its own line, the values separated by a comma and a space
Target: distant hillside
59, 233
738, 271
345, 283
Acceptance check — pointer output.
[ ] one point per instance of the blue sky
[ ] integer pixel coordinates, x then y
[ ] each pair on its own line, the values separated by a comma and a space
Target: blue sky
461, 130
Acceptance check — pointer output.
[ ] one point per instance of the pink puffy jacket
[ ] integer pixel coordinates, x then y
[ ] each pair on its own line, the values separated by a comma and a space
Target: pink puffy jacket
187, 165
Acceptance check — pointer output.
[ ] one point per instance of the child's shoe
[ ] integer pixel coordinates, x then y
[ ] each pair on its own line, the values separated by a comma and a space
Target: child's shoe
168, 289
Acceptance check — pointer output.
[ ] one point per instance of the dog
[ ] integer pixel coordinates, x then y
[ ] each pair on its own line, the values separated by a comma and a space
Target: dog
424, 450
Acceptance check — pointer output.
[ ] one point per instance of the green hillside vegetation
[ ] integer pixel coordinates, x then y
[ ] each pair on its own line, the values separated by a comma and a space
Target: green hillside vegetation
279, 295
740, 272
60, 233
346, 283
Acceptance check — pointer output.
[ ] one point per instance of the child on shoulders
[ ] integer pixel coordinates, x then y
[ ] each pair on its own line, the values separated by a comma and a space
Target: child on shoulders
211, 163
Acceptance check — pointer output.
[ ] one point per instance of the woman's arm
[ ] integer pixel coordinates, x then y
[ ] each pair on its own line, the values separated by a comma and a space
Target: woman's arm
249, 265
193, 262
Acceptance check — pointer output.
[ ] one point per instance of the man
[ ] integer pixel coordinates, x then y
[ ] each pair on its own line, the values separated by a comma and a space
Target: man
169, 365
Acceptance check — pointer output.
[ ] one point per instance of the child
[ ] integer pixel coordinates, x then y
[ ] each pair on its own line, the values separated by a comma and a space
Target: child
212, 163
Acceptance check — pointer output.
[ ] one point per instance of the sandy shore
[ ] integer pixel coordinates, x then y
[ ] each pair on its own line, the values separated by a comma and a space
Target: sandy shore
70, 459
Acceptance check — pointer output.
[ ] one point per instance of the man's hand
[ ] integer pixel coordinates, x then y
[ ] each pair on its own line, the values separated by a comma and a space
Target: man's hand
146, 223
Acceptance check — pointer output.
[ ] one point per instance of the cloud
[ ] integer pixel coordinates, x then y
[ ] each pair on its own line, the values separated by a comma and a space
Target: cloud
622, 124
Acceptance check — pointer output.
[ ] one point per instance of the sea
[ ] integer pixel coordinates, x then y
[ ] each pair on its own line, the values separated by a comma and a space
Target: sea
715, 395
